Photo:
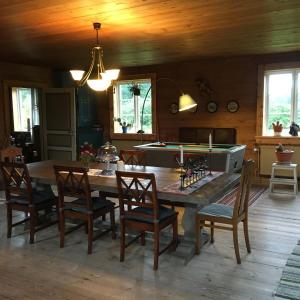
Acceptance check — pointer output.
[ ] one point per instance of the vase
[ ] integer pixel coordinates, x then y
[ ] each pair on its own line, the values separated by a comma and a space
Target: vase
277, 133
124, 129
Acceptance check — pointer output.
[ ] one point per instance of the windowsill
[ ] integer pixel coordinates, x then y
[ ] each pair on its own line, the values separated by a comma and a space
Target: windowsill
272, 140
132, 136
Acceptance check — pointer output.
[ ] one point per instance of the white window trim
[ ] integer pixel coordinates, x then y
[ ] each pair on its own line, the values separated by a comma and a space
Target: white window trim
261, 107
135, 136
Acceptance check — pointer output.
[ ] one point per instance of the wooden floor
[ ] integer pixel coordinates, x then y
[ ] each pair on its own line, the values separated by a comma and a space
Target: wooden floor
44, 271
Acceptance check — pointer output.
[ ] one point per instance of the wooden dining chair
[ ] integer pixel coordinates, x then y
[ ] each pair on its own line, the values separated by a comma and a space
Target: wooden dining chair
140, 210
129, 157
228, 217
22, 196
133, 157
74, 182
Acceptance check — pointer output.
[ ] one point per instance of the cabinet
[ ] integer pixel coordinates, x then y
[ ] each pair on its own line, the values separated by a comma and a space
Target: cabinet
88, 128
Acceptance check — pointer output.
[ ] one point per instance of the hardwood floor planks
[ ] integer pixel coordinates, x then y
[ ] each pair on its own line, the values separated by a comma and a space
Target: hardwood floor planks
44, 271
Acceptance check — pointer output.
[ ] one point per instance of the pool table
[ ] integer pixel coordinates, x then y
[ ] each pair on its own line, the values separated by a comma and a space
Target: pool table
224, 157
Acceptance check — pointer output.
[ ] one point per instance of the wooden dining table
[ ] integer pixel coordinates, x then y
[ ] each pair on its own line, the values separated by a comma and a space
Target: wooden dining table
166, 179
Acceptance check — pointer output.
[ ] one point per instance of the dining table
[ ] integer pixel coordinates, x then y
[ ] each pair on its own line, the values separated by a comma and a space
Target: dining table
207, 190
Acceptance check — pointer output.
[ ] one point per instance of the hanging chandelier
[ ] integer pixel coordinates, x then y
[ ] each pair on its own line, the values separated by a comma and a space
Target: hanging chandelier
96, 77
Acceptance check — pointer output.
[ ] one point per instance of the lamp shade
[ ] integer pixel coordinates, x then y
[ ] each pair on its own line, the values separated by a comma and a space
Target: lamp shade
186, 102
112, 74
98, 84
77, 74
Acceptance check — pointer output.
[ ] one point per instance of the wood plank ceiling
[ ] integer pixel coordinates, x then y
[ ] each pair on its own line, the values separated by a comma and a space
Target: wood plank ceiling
59, 33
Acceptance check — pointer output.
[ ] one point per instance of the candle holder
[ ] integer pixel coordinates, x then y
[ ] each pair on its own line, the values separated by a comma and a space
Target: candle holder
191, 171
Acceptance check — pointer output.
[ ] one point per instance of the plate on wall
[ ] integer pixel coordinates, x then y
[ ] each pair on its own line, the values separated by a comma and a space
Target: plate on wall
233, 106
211, 106
173, 109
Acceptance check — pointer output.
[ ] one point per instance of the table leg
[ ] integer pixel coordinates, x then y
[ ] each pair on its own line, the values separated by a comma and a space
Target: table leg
186, 247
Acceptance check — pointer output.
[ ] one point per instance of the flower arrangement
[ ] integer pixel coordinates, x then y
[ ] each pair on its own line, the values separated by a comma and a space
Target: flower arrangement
123, 124
87, 153
277, 127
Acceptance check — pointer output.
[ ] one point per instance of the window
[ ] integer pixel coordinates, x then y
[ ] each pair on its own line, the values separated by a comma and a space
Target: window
281, 99
25, 108
128, 99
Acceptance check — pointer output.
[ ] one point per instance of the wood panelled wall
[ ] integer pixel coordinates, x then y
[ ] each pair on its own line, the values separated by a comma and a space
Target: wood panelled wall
18, 73
233, 78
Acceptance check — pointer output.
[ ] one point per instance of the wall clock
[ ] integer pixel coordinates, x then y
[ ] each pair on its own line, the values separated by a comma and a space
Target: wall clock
173, 108
212, 106
233, 106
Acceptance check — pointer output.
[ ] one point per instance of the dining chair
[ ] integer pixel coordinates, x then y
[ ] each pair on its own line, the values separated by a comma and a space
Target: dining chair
140, 210
129, 157
229, 217
74, 182
22, 196
133, 157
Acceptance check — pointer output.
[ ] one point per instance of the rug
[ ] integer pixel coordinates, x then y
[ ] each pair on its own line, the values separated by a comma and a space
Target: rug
289, 285
255, 192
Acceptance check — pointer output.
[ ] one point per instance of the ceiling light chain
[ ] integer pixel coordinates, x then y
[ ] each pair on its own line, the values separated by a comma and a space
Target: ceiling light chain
103, 78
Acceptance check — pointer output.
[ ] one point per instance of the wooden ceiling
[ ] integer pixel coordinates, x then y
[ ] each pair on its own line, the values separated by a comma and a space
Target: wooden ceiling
60, 34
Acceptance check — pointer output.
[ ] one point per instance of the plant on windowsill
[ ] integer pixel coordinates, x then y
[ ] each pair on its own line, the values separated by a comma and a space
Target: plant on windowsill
123, 124
283, 155
277, 127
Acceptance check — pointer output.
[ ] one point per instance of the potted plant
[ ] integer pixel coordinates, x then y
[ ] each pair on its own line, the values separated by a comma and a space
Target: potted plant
135, 90
277, 127
123, 124
283, 155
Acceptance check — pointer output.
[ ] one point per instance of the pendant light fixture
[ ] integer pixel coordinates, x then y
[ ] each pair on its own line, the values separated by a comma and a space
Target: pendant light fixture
96, 77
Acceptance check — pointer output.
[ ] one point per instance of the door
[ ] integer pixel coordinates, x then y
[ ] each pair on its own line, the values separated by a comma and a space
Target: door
59, 124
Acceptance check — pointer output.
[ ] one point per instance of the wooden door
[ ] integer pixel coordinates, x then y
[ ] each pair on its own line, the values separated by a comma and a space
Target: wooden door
59, 124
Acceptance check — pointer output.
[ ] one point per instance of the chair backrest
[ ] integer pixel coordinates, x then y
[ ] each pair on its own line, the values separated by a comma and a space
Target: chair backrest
138, 190
133, 157
16, 179
73, 182
242, 197
11, 154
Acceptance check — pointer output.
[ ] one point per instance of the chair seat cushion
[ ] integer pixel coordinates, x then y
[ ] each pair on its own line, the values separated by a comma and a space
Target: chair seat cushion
79, 205
219, 210
39, 197
164, 213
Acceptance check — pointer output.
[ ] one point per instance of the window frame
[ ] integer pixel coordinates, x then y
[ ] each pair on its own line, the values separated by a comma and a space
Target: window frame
134, 136
261, 107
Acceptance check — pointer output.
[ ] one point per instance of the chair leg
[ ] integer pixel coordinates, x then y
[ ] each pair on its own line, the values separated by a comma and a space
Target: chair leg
90, 234
143, 240
198, 233
112, 223
175, 234
33, 221
122, 239
246, 233
236, 243
9, 221
57, 213
212, 238
156, 246
62, 229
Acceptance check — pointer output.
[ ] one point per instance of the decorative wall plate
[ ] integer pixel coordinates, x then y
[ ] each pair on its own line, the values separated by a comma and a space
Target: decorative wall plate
173, 108
233, 106
212, 106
